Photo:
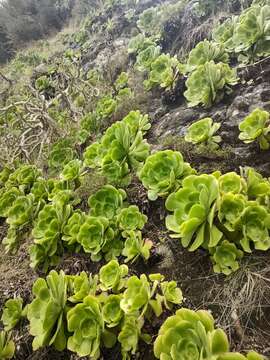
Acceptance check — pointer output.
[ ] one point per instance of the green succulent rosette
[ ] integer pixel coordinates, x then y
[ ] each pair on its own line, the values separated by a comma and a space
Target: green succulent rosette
252, 355
131, 218
7, 346
256, 127
194, 208
12, 313
163, 173
72, 170
79, 286
232, 183
21, 211
251, 35
136, 295
190, 335
146, 57
225, 258
86, 324
231, 208
204, 52
208, 83
94, 234
135, 246
255, 222
139, 43
112, 276
4, 175
107, 201
163, 72
224, 33
24, 177
46, 313
7, 199
111, 311
72, 228
203, 131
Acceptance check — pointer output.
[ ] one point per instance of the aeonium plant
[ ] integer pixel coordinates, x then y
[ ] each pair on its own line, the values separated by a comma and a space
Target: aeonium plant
46, 312
175, 341
107, 201
209, 83
94, 234
7, 346
163, 173
194, 209
206, 51
191, 335
131, 218
136, 246
256, 127
203, 131
225, 257
112, 276
86, 324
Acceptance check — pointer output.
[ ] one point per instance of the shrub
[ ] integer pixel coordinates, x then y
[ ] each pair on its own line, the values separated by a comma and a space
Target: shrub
208, 83
163, 173
42, 83
256, 127
12, 313
7, 346
46, 312
203, 131
204, 52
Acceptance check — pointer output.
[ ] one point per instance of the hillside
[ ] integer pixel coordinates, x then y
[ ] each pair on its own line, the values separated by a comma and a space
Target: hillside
136, 144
